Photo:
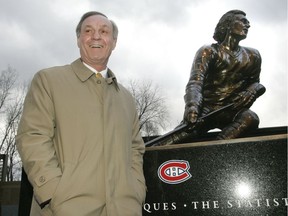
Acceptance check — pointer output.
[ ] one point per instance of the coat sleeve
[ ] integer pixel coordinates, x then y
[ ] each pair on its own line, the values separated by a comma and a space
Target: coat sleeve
34, 140
138, 150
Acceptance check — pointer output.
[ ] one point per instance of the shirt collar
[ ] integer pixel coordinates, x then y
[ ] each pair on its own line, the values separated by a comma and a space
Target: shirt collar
103, 72
84, 73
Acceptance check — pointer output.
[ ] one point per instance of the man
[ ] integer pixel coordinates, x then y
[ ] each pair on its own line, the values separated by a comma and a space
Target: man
225, 73
79, 137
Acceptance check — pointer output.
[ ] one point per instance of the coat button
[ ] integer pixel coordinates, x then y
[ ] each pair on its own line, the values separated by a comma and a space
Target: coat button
98, 81
42, 179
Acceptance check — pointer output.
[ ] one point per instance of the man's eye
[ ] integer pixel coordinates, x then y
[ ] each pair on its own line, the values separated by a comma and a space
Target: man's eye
88, 30
245, 21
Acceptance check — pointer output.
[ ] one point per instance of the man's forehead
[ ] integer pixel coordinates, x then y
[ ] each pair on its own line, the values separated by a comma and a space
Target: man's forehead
97, 20
240, 17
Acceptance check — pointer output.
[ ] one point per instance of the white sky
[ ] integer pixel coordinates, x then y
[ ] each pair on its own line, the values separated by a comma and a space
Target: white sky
157, 41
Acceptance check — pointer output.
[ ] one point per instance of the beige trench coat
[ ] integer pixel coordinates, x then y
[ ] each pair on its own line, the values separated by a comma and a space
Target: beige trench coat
80, 145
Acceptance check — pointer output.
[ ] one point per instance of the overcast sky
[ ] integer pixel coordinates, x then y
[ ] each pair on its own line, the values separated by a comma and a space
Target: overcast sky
157, 41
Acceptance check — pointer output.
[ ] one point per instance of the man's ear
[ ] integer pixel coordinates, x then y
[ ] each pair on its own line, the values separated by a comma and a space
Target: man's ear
114, 43
78, 42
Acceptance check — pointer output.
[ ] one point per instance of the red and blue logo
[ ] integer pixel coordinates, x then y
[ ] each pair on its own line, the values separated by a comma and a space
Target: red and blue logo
174, 171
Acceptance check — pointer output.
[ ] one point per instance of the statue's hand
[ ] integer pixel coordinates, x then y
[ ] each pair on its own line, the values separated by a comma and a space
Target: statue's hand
191, 114
244, 99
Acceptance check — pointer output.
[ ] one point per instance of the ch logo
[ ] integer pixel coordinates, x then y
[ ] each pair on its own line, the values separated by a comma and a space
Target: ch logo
174, 171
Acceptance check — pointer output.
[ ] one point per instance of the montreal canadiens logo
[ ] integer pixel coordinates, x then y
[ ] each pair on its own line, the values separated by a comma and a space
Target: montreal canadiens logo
174, 171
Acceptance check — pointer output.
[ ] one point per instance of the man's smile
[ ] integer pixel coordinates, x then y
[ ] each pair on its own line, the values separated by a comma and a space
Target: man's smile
96, 46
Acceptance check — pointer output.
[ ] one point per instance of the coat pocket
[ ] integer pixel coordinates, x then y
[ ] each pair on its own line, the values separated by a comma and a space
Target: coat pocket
62, 193
140, 187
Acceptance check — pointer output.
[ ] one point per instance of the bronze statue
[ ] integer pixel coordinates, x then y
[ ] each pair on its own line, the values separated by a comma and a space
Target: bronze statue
223, 73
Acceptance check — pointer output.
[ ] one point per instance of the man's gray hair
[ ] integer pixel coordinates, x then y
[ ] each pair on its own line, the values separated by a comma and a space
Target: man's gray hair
92, 13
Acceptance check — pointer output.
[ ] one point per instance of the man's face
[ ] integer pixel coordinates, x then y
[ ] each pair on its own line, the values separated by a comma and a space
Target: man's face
96, 40
240, 26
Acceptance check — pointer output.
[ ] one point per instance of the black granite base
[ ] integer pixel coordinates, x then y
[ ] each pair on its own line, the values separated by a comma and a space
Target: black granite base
246, 177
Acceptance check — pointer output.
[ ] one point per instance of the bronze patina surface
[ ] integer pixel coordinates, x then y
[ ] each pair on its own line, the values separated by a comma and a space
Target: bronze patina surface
223, 73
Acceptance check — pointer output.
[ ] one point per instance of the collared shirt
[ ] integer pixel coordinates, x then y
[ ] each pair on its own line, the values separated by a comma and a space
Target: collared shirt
103, 72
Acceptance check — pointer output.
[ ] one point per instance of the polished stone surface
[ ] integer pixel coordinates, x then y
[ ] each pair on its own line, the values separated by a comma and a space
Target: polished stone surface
248, 177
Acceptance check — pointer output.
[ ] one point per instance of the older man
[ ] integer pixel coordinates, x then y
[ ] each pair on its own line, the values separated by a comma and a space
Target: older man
79, 137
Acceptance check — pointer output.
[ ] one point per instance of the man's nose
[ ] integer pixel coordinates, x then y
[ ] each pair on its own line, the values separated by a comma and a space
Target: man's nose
96, 35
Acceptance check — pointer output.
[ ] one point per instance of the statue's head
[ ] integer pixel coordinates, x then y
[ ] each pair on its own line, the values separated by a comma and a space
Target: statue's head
225, 23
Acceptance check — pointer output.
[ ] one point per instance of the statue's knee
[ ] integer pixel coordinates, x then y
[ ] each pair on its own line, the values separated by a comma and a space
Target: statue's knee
243, 122
250, 118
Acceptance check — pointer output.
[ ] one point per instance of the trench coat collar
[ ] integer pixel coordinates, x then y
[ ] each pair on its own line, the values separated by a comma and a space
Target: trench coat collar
83, 73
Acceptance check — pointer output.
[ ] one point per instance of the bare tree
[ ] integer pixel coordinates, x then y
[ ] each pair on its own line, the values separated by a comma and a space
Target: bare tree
151, 107
7, 81
11, 104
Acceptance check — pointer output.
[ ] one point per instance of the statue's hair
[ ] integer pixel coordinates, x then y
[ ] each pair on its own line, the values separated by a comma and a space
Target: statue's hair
225, 23
92, 13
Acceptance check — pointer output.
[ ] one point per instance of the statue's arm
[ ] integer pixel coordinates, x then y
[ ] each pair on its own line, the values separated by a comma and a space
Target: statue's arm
193, 96
255, 89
